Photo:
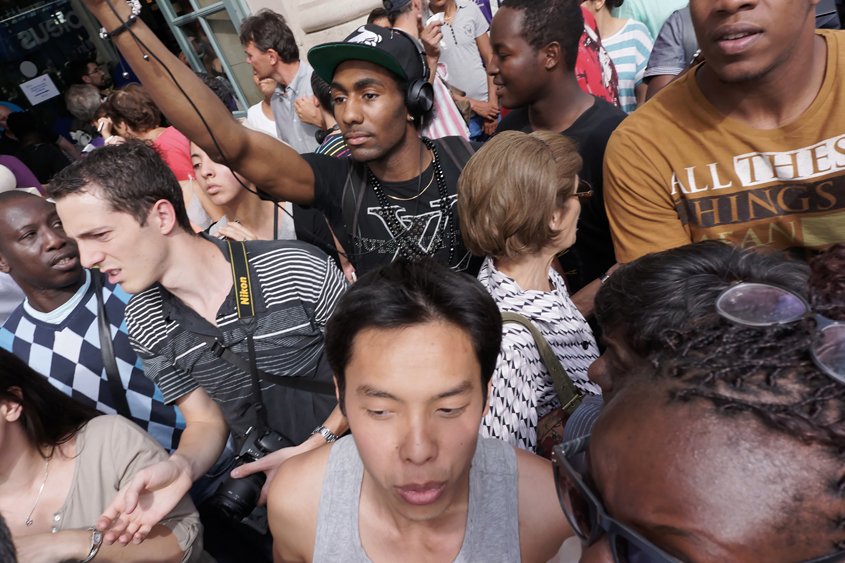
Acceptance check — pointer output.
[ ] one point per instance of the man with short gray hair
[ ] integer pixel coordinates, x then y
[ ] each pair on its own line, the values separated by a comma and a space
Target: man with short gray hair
271, 49
83, 102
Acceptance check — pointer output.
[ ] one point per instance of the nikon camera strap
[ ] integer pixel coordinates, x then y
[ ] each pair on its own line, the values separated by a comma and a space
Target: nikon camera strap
244, 298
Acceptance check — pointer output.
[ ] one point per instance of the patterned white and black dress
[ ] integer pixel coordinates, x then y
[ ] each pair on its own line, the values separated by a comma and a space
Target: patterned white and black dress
523, 391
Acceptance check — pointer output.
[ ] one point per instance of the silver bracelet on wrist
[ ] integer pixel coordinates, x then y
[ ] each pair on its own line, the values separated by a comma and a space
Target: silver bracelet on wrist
96, 542
325, 433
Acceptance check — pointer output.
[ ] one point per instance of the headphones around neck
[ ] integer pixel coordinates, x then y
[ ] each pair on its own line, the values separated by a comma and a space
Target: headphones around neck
420, 94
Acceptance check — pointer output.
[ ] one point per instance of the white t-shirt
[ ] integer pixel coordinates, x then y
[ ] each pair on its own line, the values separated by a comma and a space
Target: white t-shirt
256, 118
10, 296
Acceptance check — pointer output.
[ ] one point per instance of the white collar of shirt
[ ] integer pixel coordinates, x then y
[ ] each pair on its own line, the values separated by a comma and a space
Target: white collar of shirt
57, 316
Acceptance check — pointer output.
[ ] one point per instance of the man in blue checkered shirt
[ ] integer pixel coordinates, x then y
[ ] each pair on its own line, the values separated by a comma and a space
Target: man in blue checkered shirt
55, 330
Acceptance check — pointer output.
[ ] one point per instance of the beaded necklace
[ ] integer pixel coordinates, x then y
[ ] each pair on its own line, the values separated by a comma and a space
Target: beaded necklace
403, 237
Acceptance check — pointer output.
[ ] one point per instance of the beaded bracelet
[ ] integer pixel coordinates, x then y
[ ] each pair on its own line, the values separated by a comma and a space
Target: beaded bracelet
136, 11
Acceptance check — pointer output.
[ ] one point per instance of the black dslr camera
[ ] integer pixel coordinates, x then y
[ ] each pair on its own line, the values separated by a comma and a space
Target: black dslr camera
236, 498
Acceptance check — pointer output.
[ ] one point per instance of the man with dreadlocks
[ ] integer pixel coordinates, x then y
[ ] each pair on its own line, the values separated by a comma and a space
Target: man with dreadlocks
710, 436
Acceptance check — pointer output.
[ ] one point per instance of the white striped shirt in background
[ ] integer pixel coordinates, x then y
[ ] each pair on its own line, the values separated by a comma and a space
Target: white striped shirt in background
445, 120
629, 49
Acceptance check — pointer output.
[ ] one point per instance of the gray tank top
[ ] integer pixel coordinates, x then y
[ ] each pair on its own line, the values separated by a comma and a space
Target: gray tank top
492, 531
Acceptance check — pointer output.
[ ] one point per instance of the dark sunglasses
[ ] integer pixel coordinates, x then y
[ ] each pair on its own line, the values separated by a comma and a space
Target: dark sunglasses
583, 189
761, 304
589, 519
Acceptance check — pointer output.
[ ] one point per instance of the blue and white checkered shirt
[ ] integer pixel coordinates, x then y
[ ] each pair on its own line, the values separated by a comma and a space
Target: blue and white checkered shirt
66, 349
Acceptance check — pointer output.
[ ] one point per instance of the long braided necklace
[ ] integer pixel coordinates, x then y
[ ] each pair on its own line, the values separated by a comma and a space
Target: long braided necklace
407, 247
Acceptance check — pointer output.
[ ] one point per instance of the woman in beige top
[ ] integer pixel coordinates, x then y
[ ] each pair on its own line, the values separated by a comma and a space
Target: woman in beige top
60, 467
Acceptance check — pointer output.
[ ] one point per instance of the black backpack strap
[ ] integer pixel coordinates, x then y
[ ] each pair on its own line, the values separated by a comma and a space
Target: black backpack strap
569, 395
118, 392
299, 383
351, 201
458, 149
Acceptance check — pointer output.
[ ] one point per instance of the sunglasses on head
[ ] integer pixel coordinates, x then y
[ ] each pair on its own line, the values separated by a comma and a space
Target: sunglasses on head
762, 304
590, 521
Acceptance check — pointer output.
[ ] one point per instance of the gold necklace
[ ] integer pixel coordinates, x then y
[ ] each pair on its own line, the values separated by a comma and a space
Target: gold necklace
416, 196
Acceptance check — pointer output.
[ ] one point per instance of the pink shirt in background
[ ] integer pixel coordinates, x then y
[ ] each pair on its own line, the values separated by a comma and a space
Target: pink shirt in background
175, 149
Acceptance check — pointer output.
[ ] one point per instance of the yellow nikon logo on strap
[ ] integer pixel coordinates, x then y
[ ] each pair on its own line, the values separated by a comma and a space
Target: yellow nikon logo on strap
243, 294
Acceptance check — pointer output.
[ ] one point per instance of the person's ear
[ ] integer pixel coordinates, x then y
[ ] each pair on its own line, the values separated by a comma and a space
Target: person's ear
86, 79
162, 216
600, 4
552, 55
489, 394
4, 265
11, 410
558, 218
274, 56
340, 402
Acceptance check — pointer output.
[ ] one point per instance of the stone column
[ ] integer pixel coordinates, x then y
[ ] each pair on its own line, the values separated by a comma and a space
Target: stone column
319, 21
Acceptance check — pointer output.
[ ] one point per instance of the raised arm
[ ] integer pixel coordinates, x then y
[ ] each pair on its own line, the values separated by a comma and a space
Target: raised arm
258, 157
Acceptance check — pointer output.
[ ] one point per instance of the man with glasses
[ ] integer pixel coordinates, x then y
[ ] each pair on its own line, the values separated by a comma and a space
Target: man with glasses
710, 442
413, 347
89, 73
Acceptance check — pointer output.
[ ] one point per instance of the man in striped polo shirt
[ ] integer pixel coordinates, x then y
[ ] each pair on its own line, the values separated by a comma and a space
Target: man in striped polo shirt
125, 210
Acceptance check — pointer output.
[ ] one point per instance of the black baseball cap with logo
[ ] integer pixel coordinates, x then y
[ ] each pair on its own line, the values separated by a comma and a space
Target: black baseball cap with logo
392, 49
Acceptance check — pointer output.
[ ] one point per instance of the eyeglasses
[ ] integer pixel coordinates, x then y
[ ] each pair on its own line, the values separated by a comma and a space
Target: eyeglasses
761, 305
589, 519
583, 189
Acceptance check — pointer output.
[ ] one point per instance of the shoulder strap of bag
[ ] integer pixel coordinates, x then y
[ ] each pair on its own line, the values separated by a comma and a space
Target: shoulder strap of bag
246, 317
239, 362
569, 395
351, 204
118, 392
458, 149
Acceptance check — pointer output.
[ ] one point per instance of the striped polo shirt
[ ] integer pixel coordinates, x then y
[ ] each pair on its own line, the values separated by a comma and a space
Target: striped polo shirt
299, 288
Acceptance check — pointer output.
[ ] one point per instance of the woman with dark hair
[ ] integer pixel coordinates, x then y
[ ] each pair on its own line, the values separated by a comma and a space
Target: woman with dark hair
629, 44
729, 446
248, 217
61, 465
131, 113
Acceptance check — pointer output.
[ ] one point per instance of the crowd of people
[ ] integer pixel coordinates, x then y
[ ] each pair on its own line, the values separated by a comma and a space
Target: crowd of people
514, 280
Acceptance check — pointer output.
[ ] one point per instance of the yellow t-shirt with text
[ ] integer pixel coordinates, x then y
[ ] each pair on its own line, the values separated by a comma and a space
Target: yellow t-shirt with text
679, 171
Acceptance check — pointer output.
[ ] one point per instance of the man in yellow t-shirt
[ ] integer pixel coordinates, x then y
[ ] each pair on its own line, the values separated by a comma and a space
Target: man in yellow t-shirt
749, 147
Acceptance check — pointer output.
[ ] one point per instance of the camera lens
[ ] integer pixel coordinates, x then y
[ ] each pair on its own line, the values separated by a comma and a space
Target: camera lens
236, 498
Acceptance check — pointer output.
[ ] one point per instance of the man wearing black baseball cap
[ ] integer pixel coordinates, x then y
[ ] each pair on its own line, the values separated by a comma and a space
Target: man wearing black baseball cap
394, 198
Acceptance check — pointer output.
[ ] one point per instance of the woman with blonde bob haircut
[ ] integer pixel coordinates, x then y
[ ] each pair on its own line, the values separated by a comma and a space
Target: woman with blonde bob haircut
519, 201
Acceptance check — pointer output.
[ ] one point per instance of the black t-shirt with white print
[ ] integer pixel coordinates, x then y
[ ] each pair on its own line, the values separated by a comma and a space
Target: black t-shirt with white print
593, 254
421, 216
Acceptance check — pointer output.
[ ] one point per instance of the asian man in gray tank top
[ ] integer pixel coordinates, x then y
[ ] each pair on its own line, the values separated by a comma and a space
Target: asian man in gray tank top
413, 347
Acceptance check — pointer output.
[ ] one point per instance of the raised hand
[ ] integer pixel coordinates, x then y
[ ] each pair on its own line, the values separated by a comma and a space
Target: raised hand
430, 35
308, 110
